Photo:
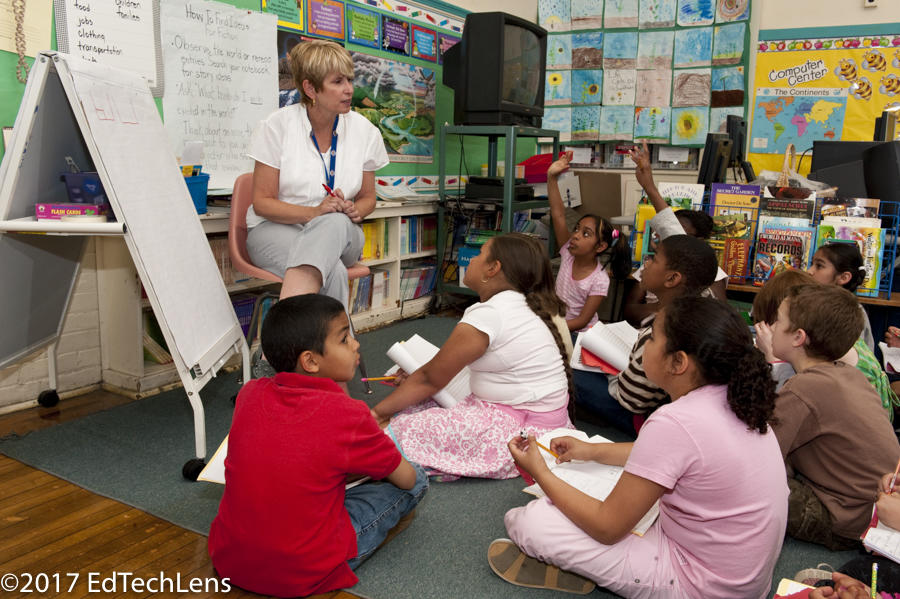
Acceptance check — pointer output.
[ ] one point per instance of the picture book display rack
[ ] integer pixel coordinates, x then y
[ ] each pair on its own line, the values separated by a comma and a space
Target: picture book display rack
105, 119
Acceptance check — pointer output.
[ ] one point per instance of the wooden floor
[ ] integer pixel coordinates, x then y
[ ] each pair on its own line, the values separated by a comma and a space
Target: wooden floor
53, 528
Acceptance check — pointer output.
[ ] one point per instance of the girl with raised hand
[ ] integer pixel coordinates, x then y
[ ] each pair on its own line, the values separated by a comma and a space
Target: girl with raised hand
717, 508
582, 282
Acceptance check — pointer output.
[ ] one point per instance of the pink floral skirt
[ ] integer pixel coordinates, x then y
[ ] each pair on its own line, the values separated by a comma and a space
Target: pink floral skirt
469, 439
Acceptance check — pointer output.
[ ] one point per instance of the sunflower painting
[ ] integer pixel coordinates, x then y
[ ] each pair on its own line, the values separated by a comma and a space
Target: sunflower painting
690, 126
587, 87
558, 88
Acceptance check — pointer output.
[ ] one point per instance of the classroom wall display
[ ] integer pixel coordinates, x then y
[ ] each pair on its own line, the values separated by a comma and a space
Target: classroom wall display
555, 15
693, 47
399, 99
325, 18
445, 42
587, 49
559, 52
652, 124
654, 88
690, 125
363, 27
394, 35
424, 43
655, 49
620, 13
620, 50
587, 86
656, 13
220, 81
289, 12
585, 122
732, 10
123, 36
587, 14
558, 88
808, 88
727, 86
696, 12
616, 123
691, 87
559, 119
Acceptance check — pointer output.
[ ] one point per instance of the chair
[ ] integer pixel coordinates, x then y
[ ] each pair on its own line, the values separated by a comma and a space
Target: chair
241, 200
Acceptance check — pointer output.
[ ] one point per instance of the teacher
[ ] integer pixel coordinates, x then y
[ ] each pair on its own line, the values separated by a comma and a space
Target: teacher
314, 177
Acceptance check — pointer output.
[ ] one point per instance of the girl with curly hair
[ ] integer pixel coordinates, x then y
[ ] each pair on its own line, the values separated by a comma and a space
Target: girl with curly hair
716, 506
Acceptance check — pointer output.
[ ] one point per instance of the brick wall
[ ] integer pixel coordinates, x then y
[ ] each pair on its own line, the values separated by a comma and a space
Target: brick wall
78, 352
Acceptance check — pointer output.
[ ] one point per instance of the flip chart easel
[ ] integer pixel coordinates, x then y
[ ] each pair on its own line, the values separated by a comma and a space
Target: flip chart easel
106, 120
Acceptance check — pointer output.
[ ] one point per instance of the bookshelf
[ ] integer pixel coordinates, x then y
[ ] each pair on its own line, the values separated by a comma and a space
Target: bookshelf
122, 309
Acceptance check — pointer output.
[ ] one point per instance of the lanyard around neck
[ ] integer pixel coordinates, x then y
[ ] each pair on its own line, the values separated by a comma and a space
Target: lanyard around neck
329, 171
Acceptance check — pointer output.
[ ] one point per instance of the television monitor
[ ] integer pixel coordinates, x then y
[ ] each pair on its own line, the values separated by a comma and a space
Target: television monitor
840, 164
881, 164
716, 157
497, 71
736, 127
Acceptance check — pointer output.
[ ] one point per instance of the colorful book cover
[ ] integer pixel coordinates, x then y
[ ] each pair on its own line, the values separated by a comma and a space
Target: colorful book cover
788, 207
730, 226
775, 254
718, 246
864, 207
681, 195
869, 240
736, 198
792, 227
737, 259
641, 218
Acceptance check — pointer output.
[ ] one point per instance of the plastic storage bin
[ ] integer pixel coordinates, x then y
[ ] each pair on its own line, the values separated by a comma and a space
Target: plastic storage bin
243, 308
198, 185
84, 188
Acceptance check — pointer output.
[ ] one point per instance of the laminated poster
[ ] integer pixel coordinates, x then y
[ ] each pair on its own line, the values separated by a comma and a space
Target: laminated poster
620, 50
559, 51
619, 87
654, 88
558, 88
363, 27
559, 119
289, 12
424, 43
693, 47
587, 50
652, 124
728, 43
696, 12
657, 13
587, 14
445, 42
690, 126
554, 15
325, 18
691, 87
619, 14
732, 10
394, 35
616, 122
655, 49
727, 87
587, 87
585, 122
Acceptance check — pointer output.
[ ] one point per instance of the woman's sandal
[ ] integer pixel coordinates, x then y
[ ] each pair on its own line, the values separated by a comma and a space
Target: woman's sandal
512, 565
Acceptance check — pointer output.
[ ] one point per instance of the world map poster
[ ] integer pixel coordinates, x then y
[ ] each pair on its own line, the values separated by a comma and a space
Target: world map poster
780, 119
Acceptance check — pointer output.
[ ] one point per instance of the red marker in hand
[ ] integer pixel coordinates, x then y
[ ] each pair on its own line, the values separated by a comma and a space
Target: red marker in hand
329, 190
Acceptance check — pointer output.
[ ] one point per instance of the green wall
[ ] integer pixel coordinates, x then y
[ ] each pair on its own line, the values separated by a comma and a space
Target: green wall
475, 148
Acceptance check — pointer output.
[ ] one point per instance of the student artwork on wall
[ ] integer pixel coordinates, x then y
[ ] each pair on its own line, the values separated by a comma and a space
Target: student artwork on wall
424, 43
655, 49
587, 50
718, 117
399, 99
693, 47
654, 88
394, 35
696, 12
728, 43
558, 88
445, 42
691, 87
559, 119
325, 18
620, 50
587, 14
585, 122
587, 87
656, 13
363, 27
652, 123
559, 51
619, 87
618, 14
732, 10
554, 15
727, 86
689, 126
616, 122
289, 12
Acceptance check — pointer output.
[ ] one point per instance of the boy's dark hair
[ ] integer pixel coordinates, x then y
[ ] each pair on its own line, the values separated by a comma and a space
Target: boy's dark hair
693, 258
846, 258
295, 325
617, 249
699, 220
766, 302
723, 350
829, 315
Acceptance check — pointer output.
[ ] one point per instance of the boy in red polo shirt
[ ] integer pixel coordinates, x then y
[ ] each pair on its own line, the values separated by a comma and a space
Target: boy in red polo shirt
286, 526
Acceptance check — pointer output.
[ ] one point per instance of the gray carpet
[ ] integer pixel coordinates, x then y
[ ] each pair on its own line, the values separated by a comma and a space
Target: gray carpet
134, 453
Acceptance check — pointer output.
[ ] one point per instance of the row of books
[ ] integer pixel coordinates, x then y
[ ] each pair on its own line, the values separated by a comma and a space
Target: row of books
219, 247
417, 280
370, 291
377, 233
418, 234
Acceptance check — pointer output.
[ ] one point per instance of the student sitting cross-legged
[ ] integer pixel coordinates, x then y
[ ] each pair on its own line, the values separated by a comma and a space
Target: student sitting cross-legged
835, 437
709, 458
682, 265
286, 526
514, 348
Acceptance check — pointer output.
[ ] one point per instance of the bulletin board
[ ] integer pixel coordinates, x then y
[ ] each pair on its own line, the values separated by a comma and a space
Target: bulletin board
815, 84
664, 71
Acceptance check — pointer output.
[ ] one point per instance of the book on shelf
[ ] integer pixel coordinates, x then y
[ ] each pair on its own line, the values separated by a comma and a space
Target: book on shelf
730, 226
681, 196
592, 478
792, 227
869, 238
376, 234
865, 207
736, 198
776, 253
800, 208
412, 354
736, 260
612, 342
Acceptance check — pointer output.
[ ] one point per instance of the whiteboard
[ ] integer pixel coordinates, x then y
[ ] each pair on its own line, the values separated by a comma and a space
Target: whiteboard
119, 34
147, 192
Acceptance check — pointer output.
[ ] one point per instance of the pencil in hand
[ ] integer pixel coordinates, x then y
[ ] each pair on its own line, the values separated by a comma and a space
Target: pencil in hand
378, 378
524, 435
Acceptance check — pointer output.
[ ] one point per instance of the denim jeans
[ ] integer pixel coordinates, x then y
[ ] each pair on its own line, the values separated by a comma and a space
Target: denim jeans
592, 393
376, 507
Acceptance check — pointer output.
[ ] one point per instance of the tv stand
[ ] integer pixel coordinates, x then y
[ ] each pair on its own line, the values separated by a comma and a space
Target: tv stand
501, 119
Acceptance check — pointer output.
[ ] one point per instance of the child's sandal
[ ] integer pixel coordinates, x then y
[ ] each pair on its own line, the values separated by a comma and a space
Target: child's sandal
512, 565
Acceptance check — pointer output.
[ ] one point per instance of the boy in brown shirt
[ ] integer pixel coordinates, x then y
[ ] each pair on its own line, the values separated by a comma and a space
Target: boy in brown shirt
836, 439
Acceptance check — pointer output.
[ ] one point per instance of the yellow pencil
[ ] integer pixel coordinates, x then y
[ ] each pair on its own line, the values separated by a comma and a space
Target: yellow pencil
524, 435
379, 378
894, 478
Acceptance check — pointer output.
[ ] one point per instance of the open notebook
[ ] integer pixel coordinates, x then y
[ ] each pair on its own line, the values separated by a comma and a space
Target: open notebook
411, 354
612, 343
882, 539
592, 478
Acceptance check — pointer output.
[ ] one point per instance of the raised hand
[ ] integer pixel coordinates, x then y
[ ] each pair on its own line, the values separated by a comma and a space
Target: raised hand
560, 165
